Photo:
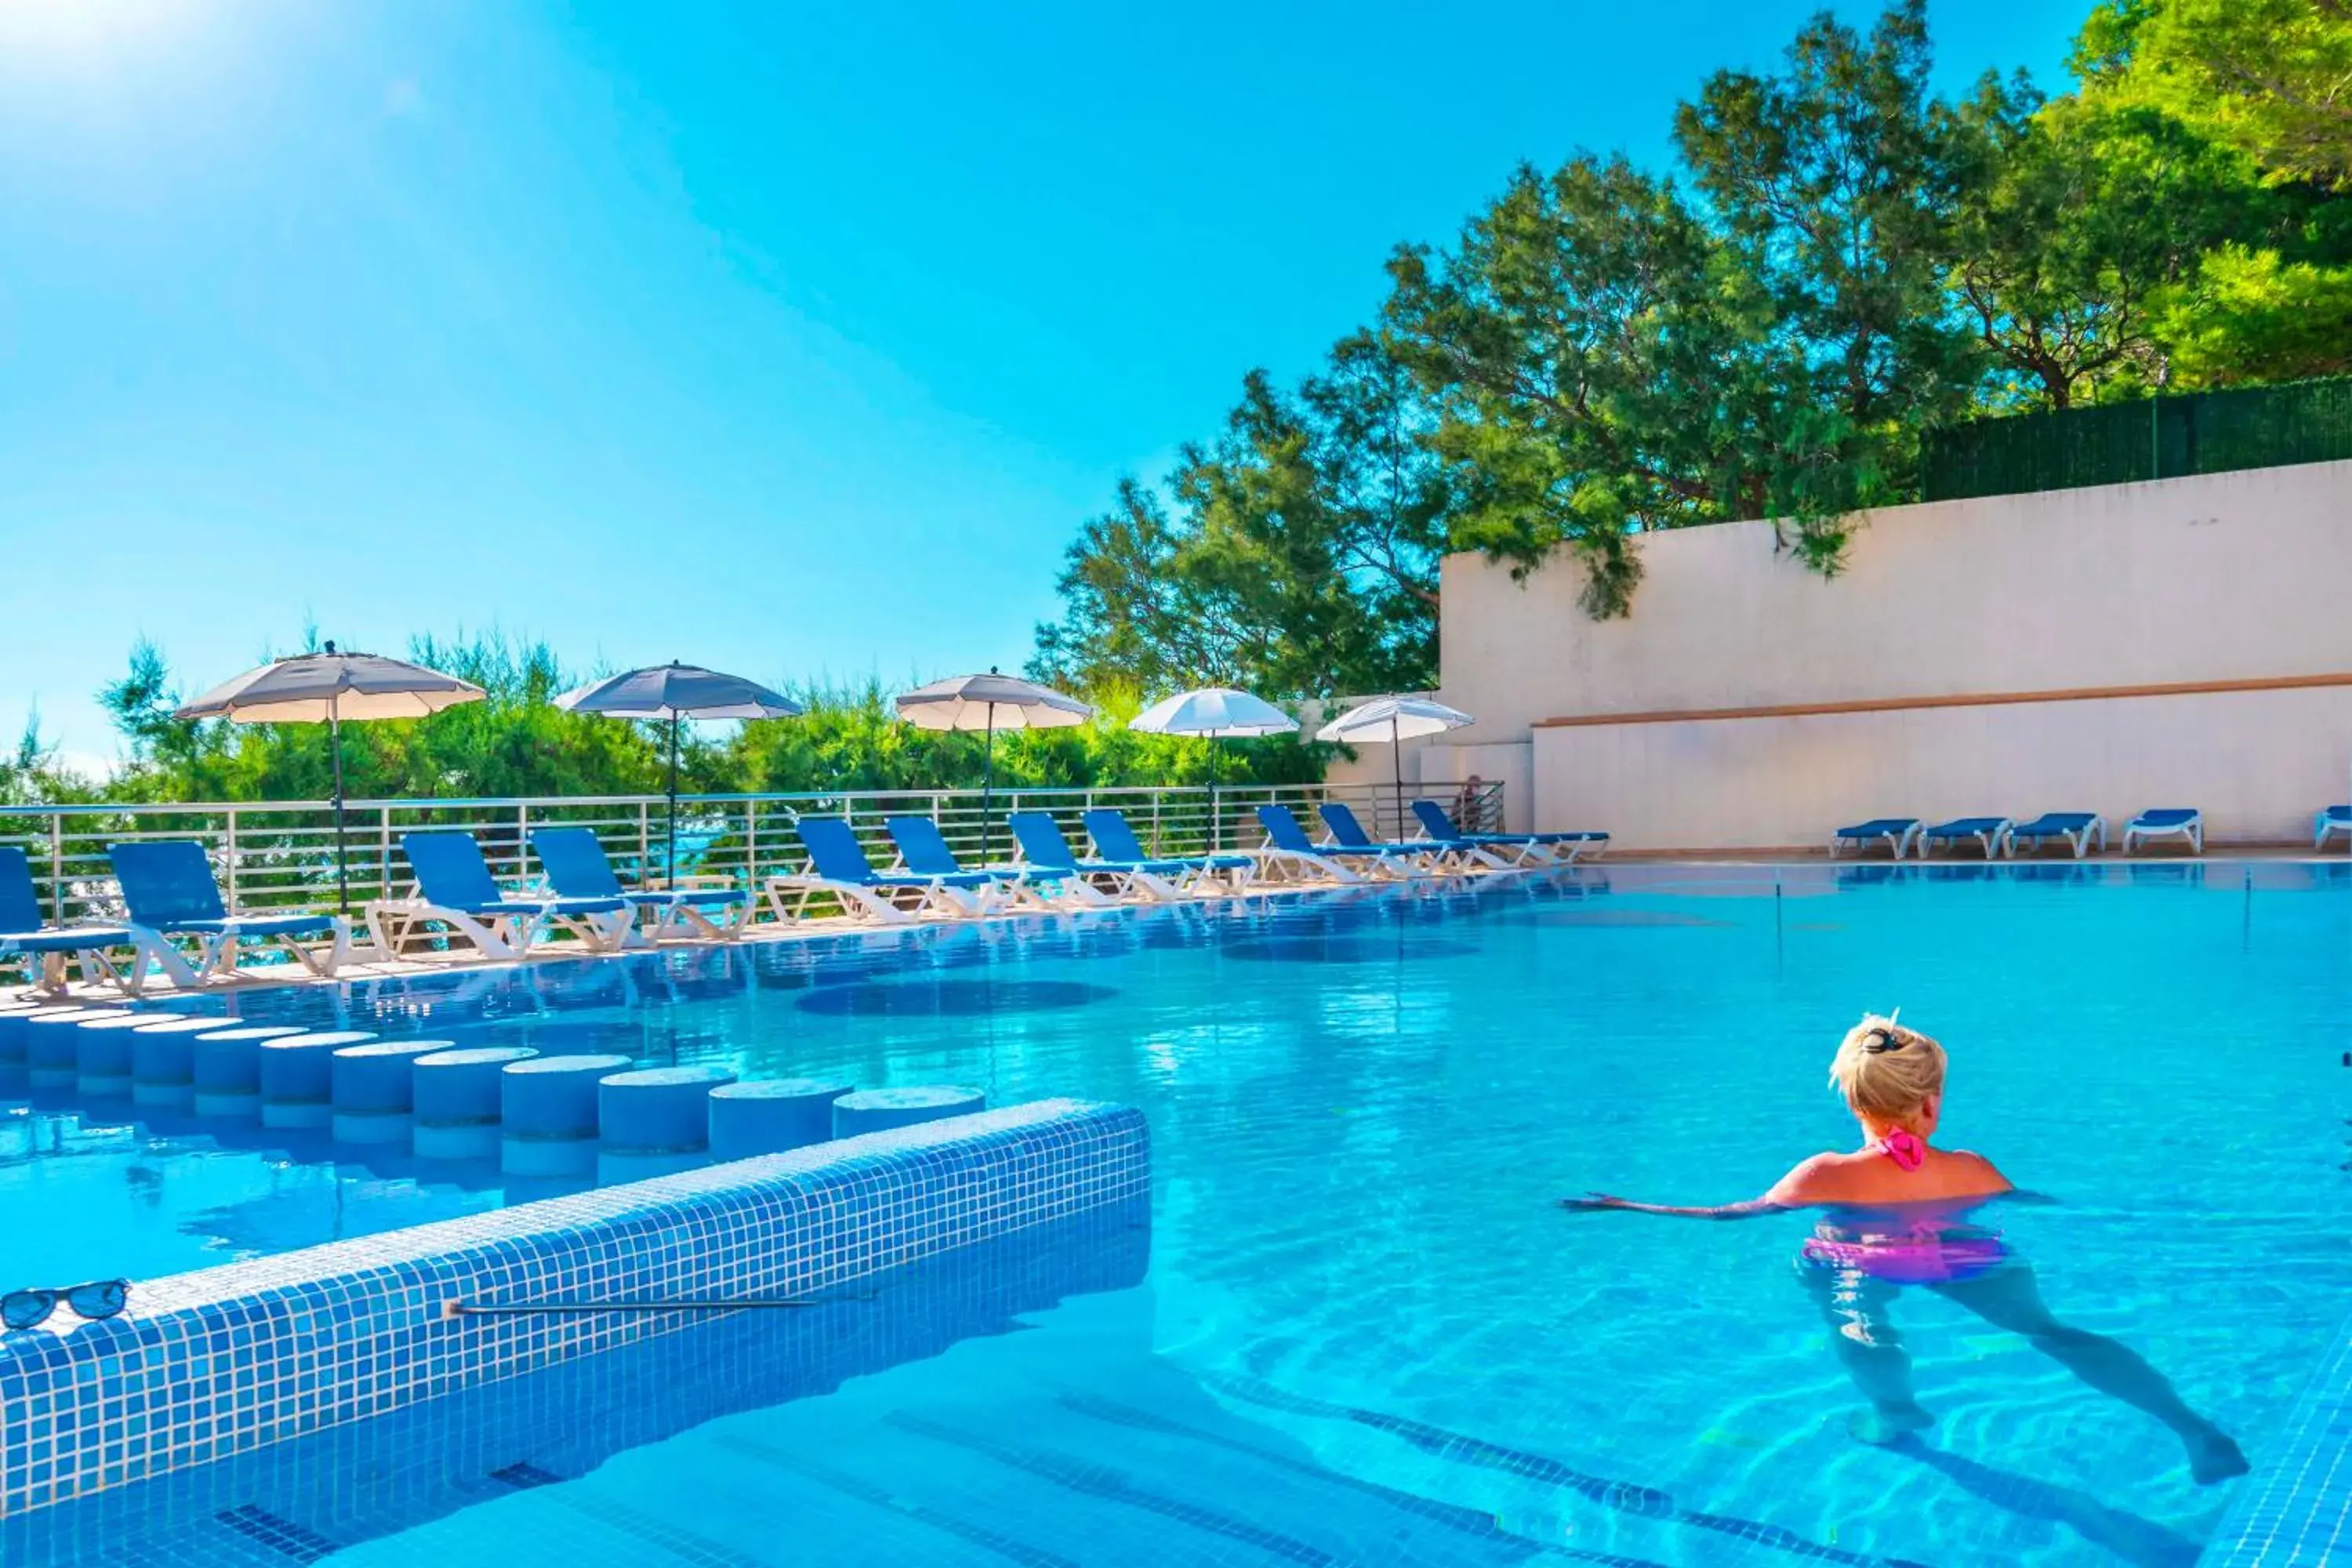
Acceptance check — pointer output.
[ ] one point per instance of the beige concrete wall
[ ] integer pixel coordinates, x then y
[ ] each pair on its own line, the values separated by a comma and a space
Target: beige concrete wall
2217, 578
2228, 577
2257, 763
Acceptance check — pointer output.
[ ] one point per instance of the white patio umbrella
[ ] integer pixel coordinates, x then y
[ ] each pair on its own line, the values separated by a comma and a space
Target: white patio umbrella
332, 686
1394, 720
676, 691
990, 702
1220, 713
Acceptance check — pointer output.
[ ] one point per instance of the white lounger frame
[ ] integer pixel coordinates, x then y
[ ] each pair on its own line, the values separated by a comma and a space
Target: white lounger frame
2324, 826
148, 950
505, 937
216, 952
693, 922
1297, 867
2193, 830
1902, 841
2078, 839
1992, 840
866, 902
679, 921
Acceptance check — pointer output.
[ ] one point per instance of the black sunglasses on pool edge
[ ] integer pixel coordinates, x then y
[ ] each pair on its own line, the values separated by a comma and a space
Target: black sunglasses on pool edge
31, 1308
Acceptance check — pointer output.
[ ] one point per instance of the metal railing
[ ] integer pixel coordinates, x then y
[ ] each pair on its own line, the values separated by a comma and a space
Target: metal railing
282, 854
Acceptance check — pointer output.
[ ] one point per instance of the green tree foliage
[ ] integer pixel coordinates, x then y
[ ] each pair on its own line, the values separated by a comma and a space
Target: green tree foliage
2075, 247
1570, 338
1841, 263
1836, 184
517, 743
2271, 77
2237, 161
1295, 554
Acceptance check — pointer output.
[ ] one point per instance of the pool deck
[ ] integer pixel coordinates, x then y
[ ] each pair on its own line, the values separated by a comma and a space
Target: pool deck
361, 967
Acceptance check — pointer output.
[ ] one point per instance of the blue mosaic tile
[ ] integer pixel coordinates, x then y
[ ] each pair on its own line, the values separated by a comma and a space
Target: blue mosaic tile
367, 1479
214, 1363
2295, 1510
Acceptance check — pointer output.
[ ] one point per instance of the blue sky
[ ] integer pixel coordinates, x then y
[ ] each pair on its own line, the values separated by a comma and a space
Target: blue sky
792, 340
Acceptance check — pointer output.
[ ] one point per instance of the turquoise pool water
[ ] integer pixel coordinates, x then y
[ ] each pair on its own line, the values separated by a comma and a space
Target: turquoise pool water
1366, 1329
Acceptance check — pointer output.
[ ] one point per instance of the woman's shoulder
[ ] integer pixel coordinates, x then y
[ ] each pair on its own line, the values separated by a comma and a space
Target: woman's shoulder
1823, 1178
1968, 1163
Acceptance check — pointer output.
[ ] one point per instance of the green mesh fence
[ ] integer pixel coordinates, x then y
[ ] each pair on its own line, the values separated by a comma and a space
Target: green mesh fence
2161, 438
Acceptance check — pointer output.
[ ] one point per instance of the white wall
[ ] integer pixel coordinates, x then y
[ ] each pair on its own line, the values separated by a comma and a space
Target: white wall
2257, 763
2223, 577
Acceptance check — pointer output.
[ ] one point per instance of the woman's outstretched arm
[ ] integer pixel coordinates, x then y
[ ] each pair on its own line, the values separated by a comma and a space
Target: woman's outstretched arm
1796, 1190
1592, 1202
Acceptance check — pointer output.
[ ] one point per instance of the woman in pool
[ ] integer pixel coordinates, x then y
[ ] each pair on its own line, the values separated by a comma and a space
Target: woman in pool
1896, 1212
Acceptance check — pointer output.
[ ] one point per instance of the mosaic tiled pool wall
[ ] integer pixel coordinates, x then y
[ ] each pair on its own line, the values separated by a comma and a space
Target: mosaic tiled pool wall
2295, 1510
216, 1362
344, 1485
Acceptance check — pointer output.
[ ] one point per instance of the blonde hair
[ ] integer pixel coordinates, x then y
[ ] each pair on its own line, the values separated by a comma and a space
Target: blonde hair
1886, 1071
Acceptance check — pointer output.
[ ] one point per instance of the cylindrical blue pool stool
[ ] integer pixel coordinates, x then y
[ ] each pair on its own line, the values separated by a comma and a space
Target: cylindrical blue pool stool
51, 1042
102, 1054
370, 1086
163, 1060
548, 1106
17, 1027
876, 1109
228, 1069
656, 1121
455, 1097
297, 1078
768, 1116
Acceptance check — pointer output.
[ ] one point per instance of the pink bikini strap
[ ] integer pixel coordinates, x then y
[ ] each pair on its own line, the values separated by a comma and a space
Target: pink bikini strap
1906, 1150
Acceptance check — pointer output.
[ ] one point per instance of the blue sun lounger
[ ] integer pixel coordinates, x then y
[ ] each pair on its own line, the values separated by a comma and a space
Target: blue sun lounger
1288, 843
1043, 845
1440, 854
1116, 842
2185, 823
577, 868
1898, 832
45, 947
923, 850
456, 893
1991, 834
168, 888
2328, 821
2076, 829
839, 869
1526, 849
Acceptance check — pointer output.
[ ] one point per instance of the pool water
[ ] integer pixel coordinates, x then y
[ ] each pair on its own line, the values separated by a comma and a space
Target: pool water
1366, 1334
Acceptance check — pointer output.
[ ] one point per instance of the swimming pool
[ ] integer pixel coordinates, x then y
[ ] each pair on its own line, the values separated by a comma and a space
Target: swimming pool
1365, 1335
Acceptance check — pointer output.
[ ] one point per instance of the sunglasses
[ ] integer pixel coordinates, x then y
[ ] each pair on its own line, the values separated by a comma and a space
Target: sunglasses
31, 1308
1882, 1040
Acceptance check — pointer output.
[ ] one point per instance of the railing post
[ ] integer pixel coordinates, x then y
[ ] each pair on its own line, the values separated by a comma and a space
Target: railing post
58, 865
522, 835
228, 872
751, 843
383, 852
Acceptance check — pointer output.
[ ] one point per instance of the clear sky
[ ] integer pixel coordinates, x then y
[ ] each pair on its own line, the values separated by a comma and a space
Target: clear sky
794, 340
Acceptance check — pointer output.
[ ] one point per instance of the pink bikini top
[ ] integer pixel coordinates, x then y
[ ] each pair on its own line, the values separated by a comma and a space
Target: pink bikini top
1924, 1251
1906, 1150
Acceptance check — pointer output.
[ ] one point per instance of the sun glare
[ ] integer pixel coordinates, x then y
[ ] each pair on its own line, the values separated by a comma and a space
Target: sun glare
40, 33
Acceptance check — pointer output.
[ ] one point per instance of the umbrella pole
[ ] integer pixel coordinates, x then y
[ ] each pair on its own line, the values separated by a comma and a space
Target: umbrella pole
1396, 763
1216, 747
988, 785
671, 855
343, 860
